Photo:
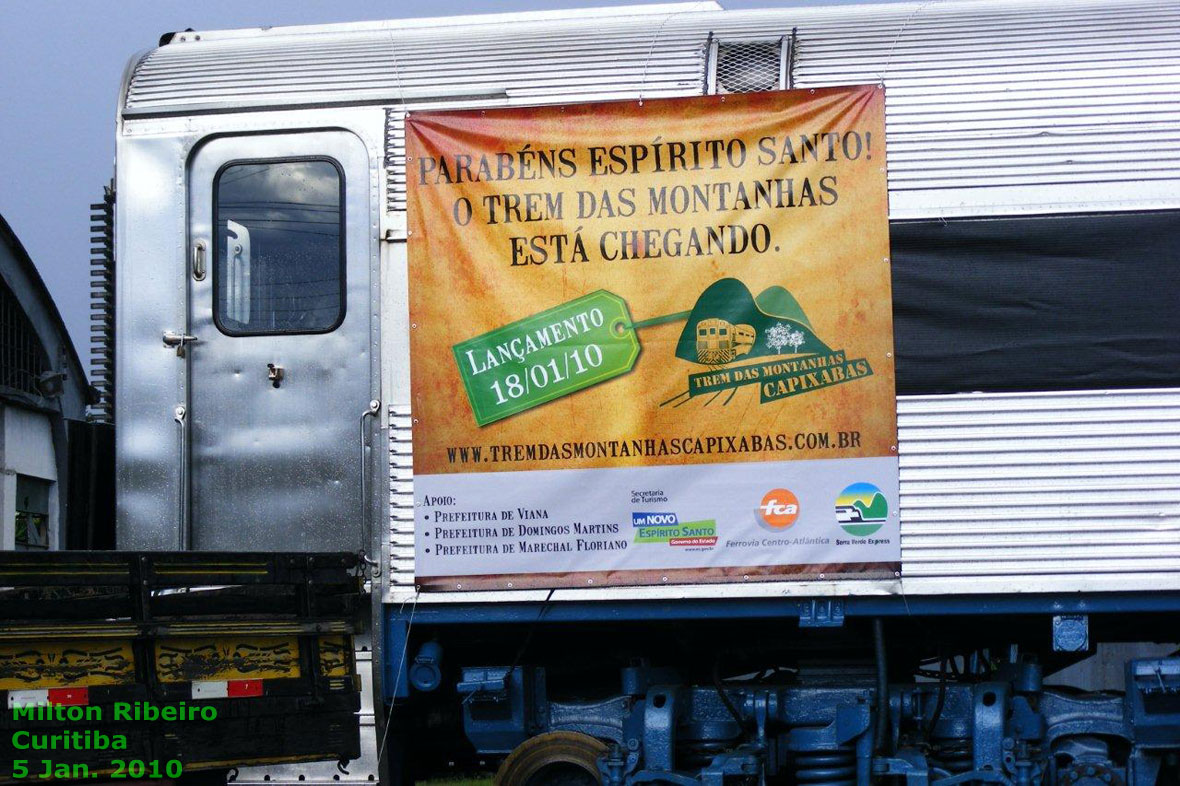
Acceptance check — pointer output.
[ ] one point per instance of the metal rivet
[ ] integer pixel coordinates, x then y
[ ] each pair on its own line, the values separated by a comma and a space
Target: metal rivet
822, 576
414, 325
589, 581
887, 354
458, 586
893, 448
510, 585
663, 578
886, 260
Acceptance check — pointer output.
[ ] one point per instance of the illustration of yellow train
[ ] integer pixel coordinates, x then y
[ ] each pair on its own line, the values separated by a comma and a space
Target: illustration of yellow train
720, 342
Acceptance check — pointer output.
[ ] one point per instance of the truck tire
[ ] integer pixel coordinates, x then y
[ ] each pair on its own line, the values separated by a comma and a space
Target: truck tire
558, 758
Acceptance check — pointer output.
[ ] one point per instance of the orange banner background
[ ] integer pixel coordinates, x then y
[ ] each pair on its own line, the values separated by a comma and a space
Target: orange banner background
833, 258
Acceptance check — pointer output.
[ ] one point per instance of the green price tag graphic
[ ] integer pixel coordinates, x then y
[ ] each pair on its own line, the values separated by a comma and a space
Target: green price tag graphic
559, 351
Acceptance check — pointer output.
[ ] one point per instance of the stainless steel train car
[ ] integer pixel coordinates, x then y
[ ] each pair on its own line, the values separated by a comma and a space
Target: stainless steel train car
257, 372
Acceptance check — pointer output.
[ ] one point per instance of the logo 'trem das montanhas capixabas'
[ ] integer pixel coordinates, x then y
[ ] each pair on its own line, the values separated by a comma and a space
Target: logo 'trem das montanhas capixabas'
593, 338
666, 528
728, 323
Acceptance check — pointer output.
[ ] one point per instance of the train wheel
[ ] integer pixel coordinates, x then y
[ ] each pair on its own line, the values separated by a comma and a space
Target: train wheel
559, 758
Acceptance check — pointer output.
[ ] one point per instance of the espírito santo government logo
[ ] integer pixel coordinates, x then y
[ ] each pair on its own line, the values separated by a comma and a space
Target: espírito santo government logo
861, 509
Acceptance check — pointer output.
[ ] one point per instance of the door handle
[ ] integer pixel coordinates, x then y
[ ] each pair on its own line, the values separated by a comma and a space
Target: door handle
199, 261
178, 340
366, 527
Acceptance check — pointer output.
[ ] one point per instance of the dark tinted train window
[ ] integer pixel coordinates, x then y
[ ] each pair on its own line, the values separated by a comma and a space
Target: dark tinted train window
1066, 302
279, 248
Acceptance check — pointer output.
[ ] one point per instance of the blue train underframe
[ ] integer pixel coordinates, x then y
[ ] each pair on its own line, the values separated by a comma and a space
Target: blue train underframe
974, 709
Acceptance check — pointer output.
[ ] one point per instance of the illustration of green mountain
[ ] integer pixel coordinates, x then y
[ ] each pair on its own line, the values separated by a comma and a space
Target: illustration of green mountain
727, 322
778, 302
876, 510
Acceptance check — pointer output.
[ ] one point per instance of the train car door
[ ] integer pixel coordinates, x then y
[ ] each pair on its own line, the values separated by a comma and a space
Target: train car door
278, 343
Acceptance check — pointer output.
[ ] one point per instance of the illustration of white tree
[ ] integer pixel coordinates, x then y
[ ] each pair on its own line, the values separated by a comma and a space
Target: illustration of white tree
778, 336
781, 335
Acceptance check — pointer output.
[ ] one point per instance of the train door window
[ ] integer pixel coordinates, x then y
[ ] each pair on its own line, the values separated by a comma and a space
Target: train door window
279, 247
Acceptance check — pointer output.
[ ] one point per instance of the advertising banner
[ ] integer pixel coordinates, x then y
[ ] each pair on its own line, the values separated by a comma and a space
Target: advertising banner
652, 342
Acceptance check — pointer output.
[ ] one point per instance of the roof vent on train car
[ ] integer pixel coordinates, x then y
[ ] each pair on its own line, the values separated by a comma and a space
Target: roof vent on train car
750, 66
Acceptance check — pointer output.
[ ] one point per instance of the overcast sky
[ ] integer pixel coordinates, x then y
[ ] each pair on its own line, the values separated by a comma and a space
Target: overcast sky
60, 66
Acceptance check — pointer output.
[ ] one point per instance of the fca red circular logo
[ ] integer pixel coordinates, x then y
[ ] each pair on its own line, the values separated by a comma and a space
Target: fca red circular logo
779, 509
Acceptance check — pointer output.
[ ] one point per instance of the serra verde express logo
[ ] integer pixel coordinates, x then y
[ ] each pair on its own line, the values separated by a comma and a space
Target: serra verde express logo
779, 510
861, 509
667, 528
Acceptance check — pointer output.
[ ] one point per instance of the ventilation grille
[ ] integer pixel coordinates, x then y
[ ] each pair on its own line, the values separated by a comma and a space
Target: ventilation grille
395, 160
102, 305
748, 66
401, 498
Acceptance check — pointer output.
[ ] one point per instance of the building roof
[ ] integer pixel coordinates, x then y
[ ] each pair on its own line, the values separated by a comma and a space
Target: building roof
21, 277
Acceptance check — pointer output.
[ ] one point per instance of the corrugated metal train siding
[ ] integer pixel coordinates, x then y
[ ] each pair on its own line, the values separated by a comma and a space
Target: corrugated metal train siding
993, 107
534, 59
1036, 484
1041, 99
1017, 485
